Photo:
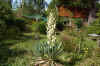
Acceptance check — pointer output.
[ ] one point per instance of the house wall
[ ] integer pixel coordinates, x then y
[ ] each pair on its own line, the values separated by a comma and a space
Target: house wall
75, 12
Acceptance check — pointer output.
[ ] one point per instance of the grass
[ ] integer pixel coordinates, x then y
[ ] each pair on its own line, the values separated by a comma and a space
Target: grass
17, 52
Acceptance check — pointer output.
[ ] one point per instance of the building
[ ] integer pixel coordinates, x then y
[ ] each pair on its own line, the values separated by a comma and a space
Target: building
75, 9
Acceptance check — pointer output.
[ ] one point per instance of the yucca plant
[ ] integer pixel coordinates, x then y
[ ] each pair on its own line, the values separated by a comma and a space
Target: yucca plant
47, 53
48, 50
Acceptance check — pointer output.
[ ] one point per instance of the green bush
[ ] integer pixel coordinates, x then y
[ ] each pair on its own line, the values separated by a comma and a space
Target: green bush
69, 46
60, 26
97, 52
78, 22
6, 13
8, 22
42, 27
95, 26
76, 57
7, 18
12, 32
23, 24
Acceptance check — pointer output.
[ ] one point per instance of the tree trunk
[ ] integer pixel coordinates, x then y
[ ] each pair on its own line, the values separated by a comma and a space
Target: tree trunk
20, 10
92, 13
91, 16
98, 42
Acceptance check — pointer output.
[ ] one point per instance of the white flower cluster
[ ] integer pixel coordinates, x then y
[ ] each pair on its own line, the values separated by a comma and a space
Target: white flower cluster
51, 25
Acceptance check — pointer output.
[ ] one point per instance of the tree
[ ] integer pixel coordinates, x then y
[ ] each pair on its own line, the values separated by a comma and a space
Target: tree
95, 26
34, 6
5, 12
6, 17
9, 24
92, 12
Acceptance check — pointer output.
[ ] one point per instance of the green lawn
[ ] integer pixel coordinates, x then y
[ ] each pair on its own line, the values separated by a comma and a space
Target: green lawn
17, 52
20, 51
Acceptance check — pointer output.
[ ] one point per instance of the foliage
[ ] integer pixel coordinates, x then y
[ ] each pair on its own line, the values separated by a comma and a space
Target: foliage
42, 27
80, 3
7, 18
61, 23
69, 46
86, 46
76, 57
94, 29
97, 5
64, 57
22, 24
72, 46
97, 53
19, 62
95, 26
44, 49
48, 52
78, 22
85, 52
53, 4
34, 7
6, 13
10, 25
2, 28
16, 52
60, 26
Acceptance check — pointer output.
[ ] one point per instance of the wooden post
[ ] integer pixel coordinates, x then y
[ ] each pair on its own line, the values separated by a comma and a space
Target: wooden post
98, 42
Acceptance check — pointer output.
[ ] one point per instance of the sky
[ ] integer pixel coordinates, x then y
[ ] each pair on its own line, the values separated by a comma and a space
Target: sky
48, 1
17, 3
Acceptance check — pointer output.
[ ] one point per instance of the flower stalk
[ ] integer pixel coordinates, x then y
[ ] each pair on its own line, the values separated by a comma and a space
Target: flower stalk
51, 26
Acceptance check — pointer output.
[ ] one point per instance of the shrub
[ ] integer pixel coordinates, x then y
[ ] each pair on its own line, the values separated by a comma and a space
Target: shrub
95, 26
42, 27
69, 46
60, 26
20, 22
6, 14
76, 57
97, 52
12, 32
78, 22
23, 25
